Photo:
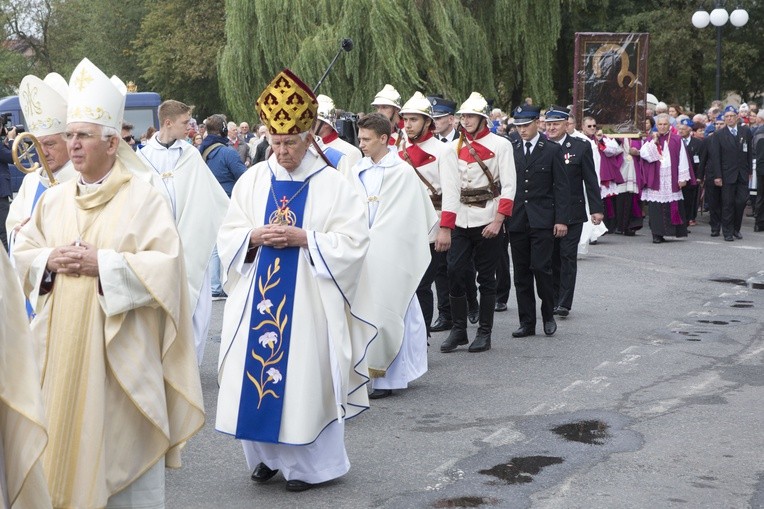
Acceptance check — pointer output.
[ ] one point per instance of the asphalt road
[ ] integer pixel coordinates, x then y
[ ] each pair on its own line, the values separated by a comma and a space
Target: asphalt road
658, 368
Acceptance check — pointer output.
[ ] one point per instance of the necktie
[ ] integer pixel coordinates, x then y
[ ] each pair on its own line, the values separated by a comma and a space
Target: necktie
528, 146
734, 131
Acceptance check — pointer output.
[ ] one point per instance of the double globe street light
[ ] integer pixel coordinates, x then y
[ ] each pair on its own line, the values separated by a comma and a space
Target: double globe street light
719, 17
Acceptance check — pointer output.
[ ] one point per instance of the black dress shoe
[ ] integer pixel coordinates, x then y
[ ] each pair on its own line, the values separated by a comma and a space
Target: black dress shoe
658, 239
524, 331
629, 233
379, 394
296, 485
729, 238
262, 473
561, 311
500, 306
441, 324
714, 234
550, 327
737, 236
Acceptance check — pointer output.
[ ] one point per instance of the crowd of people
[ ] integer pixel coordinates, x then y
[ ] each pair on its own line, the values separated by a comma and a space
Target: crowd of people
325, 253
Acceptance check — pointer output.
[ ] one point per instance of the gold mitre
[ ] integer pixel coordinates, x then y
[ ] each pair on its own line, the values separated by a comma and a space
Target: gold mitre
44, 103
287, 105
94, 98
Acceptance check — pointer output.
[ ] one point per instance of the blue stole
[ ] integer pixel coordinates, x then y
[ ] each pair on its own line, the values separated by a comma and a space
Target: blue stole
333, 155
40, 189
265, 368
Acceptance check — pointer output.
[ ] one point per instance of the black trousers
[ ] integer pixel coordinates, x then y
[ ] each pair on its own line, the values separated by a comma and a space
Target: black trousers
5, 206
532, 258
442, 284
424, 290
503, 279
734, 198
565, 265
468, 245
713, 194
759, 217
690, 195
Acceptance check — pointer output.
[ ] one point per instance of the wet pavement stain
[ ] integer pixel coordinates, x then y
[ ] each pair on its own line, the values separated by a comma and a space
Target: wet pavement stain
730, 280
521, 470
586, 432
465, 502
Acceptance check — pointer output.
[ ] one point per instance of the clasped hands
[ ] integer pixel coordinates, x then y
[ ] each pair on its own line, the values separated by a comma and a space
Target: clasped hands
278, 236
74, 260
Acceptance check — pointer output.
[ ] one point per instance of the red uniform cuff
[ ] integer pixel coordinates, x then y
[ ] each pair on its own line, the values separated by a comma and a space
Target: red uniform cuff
505, 206
448, 220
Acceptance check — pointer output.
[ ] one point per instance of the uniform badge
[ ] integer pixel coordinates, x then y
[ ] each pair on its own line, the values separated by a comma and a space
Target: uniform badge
567, 145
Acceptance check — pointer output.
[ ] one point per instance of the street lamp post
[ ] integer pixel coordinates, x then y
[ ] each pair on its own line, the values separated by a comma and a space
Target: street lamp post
719, 17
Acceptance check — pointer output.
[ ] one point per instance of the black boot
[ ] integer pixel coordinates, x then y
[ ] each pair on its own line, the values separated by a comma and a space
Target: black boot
458, 334
483, 337
473, 311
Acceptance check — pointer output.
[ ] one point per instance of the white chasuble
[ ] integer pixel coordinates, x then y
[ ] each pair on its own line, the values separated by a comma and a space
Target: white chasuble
292, 355
401, 216
119, 376
22, 419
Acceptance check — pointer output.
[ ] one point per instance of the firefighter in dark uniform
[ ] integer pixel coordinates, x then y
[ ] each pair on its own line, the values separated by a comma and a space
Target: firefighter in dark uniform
541, 214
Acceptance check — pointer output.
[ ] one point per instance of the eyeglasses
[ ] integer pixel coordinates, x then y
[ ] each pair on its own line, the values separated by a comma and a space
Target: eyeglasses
82, 136
128, 139
591, 126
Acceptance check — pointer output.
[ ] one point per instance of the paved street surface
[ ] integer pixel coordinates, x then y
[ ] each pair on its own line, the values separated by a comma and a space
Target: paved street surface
656, 380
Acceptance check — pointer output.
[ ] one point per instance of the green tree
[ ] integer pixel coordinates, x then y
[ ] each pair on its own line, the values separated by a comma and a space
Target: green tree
177, 49
450, 47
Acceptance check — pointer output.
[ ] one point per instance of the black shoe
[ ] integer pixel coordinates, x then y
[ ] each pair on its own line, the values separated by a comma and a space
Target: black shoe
441, 324
500, 306
550, 327
629, 233
473, 315
737, 236
524, 331
714, 233
482, 343
658, 239
561, 311
458, 334
380, 393
262, 473
729, 238
295, 485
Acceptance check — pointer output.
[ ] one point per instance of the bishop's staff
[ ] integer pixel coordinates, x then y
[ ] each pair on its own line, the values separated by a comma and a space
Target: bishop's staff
22, 150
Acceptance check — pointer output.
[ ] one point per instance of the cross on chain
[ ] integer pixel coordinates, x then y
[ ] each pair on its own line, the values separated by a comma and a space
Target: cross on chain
284, 202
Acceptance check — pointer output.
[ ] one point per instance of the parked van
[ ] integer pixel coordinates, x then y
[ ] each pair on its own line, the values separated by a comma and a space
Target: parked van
140, 110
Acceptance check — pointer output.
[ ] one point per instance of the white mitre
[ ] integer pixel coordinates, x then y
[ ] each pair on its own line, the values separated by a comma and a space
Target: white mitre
95, 98
44, 103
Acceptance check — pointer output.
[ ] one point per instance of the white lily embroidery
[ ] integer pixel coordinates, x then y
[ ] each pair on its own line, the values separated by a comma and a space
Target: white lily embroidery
264, 306
269, 339
274, 374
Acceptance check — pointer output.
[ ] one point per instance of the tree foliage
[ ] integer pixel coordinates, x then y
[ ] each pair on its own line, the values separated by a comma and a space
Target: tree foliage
177, 49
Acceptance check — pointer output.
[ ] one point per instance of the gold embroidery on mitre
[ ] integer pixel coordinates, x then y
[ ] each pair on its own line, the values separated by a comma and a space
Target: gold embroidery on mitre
83, 79
31, 105
287, 105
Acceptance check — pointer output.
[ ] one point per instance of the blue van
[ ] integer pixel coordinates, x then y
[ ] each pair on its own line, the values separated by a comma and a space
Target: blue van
140, 110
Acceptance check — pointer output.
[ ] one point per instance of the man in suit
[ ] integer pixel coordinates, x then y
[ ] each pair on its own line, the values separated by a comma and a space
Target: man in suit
443, 117
579, 167
712, 193
731, 167
758, 150
690, 191
6, 191
540, 214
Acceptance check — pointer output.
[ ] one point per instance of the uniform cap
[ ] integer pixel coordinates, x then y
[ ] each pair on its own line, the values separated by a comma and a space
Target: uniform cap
326, 110
475, 105
526, 114
388, 96
418, 104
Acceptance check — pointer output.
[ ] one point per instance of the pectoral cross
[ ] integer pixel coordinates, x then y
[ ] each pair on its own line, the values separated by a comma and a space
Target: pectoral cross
284, 203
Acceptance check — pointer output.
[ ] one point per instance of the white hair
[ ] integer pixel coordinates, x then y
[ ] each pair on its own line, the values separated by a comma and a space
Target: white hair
303, 136
107, 132
659, 116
